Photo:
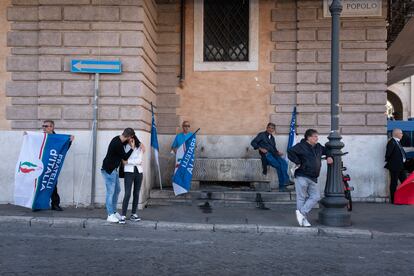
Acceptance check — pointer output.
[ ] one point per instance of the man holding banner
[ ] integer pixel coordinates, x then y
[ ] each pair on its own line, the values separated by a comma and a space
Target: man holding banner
183, 172
180, 138
40, 161
179, 147
49, 128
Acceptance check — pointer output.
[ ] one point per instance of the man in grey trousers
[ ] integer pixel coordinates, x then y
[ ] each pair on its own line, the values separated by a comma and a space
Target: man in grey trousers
308, 156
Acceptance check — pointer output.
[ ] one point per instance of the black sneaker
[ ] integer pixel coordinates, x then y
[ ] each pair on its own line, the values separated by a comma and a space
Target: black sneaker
56, 208
134, 217
122, 220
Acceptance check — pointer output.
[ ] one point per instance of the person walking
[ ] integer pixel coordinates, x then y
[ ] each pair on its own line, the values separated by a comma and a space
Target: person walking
133, 175
307, 155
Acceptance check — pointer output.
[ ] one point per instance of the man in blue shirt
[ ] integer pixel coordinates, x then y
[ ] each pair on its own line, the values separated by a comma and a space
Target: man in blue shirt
180, 138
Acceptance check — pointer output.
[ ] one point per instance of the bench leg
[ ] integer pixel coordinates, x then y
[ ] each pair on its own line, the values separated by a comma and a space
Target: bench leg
261, 186
195, 185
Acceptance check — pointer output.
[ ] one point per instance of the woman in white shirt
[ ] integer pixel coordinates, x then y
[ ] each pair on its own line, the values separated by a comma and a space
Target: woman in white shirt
133, 174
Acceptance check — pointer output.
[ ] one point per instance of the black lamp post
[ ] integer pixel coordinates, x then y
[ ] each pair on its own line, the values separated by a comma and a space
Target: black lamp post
333, 211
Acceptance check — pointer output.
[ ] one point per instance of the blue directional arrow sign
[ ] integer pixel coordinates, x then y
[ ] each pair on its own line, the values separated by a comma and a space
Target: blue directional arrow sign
95, 66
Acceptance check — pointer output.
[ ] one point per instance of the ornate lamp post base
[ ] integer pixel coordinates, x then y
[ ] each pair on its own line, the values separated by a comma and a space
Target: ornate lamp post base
333, 212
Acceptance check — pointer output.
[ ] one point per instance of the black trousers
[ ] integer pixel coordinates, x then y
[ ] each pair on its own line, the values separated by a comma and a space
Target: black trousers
129, 179
55, 198
395, 176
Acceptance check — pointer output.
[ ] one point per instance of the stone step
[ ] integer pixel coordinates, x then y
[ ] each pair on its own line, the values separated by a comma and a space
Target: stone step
214, 203
220, 198
225, 195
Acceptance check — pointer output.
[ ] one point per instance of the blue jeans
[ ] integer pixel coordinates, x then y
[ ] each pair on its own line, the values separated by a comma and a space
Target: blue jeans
281, 167
112, 190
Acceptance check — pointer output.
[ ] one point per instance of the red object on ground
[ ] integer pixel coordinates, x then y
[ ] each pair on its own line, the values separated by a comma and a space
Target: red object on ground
405, 191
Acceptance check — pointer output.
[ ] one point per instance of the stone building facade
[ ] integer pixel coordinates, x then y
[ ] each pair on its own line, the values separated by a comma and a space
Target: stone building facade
40, 38
400, 97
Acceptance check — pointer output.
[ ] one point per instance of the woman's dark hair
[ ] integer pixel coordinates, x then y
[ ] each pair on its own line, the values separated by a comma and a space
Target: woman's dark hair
309, 133
137, 142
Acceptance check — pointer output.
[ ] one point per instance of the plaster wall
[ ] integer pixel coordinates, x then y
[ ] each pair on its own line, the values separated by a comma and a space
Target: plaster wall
74, 185
367, 174
365, 160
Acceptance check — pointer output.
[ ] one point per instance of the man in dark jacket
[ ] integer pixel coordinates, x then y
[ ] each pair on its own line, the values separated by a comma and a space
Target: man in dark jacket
266, 144
395, 158
307, 155
109, 170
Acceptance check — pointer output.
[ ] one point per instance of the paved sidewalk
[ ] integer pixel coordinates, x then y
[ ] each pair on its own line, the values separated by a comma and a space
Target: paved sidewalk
369, 220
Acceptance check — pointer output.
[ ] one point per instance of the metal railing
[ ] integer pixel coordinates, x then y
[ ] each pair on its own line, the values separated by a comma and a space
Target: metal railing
399, 12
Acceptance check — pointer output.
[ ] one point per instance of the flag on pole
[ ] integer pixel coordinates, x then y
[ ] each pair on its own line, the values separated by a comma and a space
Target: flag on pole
183, 173
154, 144
37, 170
291, 143
292, 131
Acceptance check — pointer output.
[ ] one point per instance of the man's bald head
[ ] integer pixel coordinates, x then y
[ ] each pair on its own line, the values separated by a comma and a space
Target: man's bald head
397, 133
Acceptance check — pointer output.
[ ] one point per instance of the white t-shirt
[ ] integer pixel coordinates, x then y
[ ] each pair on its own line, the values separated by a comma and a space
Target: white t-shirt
135, 160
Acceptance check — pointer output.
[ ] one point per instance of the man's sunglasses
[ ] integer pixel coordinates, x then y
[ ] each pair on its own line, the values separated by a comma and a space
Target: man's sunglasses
45, 126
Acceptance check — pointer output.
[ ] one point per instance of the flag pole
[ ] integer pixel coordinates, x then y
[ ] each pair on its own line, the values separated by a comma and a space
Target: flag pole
153, 132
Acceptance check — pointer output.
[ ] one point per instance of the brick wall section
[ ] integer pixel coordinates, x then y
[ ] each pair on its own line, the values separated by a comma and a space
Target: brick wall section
47, 34
284, 56
169, 65
362, 72
4, 53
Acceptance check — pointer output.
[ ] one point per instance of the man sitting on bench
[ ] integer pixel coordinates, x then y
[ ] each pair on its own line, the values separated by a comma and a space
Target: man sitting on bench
266, 144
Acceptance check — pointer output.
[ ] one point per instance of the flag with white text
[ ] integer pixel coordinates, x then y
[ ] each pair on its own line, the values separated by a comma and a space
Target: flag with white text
37, 170
184, 169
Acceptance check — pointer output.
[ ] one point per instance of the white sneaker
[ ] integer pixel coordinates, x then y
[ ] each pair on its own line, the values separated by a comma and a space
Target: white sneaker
300, 218
117, 215
112, 218
306, 222
122, 220
134, 217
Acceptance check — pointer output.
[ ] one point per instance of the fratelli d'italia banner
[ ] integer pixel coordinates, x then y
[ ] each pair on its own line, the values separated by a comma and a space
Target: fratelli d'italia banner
37, 170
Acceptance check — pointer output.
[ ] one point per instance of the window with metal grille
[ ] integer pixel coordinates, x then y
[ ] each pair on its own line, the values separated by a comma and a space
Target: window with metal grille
226, 30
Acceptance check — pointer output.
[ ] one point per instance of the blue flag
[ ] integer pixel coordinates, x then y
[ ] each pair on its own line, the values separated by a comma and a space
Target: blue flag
154, 143
37, 170
292, 131
154, 137
291, 143
184, 173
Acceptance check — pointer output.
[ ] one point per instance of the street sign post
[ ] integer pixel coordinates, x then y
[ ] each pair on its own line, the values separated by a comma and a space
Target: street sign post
95, 67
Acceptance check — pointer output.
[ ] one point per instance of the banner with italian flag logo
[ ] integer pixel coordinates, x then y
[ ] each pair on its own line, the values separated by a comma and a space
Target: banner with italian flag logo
37, 170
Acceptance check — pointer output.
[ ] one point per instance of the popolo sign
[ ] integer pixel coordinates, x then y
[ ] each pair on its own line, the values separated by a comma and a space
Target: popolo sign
356, 8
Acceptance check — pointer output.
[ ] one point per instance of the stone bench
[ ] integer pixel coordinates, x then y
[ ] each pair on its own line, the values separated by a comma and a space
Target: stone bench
233, 170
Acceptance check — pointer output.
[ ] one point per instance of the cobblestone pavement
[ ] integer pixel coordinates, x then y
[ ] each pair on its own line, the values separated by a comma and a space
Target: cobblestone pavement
44, 250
